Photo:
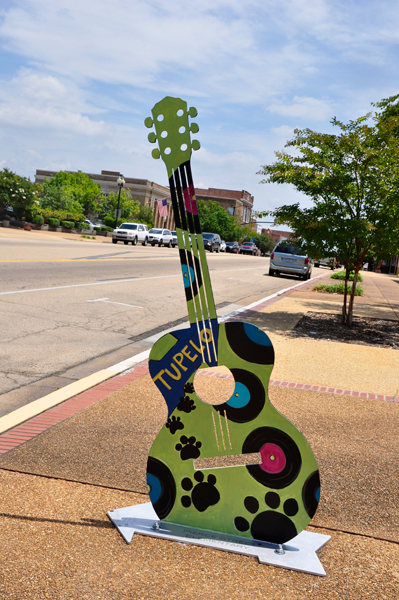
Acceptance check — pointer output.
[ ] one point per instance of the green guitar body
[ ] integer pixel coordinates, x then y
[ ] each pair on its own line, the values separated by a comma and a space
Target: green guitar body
272, 501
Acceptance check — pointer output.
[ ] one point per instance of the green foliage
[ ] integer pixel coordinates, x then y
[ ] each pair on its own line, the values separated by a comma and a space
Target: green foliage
109, 221
47, 213
145, 215
68, 224
53, 222
336, 288
264, 242
38, 220
214, 219
80, 226
341, 276
16, 191
352, 179
71, 192
109, 204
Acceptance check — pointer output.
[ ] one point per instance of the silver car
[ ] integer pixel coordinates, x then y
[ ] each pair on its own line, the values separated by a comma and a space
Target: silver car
290, 260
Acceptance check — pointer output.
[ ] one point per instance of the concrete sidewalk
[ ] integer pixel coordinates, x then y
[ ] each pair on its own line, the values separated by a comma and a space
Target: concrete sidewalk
58, 486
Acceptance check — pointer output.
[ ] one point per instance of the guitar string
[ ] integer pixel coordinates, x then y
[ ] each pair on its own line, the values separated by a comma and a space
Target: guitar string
184, 259
221, 430
207, 299
216, 433
228, 430
192, 263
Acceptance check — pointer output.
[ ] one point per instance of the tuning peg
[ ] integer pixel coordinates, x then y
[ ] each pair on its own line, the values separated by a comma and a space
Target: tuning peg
152, 138
148, 122
195, 145
194, 128
192, 111
156, 153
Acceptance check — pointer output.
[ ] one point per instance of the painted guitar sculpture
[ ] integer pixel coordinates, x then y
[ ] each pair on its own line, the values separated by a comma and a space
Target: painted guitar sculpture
272, 499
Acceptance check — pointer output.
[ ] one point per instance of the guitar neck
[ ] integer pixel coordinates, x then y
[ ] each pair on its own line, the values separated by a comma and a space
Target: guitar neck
197, 283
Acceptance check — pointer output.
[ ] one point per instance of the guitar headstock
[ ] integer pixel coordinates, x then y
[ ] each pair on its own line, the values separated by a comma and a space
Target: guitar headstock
172, 130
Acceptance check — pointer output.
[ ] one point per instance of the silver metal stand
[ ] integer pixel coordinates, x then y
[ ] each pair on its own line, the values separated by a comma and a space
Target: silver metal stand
299, 554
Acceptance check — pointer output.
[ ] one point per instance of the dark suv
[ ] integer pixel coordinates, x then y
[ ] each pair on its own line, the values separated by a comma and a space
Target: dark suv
211, 241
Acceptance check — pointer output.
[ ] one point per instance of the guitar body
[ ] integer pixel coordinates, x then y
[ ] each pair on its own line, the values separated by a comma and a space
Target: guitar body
270, 490
272, 501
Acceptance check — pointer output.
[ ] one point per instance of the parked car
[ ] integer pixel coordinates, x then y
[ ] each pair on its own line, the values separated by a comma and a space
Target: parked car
248, 248
330, 263
222, 246
290, 260
131, 232
174, 238
161, 236
232, 247
212, 241
91, 225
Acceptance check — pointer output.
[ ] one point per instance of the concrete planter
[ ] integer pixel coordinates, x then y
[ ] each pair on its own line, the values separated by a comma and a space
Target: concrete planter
87, 231
65, 230
6, 223
55, 228
104, 233
44, 227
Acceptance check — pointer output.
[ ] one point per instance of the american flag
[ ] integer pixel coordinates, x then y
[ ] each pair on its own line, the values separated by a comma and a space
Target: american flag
163, 207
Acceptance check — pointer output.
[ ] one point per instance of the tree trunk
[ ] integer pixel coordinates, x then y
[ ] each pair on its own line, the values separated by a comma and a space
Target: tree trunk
344, 311
352, 297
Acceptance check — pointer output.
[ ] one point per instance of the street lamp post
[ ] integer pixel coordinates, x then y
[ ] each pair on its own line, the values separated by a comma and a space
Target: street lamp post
121, 182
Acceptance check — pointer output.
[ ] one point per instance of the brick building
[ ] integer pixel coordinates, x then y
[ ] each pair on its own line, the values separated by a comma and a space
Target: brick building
146, 192
239, 204
277, 236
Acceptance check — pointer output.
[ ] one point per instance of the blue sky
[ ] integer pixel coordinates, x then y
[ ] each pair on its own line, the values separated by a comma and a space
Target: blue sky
78, 79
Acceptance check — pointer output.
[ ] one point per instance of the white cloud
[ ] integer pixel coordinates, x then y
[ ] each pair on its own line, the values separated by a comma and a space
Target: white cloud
310, 108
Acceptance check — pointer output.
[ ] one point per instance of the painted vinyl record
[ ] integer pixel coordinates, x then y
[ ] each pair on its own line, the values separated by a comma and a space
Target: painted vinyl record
248, 399
162, 487
311, 493
281, 458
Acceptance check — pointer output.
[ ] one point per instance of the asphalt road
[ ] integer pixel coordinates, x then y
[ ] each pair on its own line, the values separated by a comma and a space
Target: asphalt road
68, 303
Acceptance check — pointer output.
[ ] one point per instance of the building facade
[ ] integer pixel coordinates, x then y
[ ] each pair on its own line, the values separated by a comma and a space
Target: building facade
237, 204
148, 193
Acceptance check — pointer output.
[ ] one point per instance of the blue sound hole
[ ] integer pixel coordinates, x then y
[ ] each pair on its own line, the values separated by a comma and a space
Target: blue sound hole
188, 273
241, 396
155, 487
256, 335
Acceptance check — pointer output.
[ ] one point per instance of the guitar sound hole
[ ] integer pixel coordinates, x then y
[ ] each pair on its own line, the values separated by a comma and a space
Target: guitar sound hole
214, 385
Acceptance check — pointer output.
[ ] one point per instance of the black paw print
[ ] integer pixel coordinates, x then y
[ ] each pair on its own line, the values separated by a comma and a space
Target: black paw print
189, 447
269, 525
188, 388
204, 493
186, 404
173, 424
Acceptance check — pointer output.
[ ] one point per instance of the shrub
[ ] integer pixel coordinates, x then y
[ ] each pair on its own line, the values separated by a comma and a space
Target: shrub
68, 224
341, 276
337, 288
38, 220
54, 222
109, 221
80, 226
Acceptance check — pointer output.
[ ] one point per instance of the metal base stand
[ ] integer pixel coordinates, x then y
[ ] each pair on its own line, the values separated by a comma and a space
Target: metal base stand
299, 554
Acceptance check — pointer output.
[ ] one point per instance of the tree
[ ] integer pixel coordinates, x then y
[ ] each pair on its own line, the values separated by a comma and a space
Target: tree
71, 192
353, 181
214, 219
109, 204
16, 191
264, 242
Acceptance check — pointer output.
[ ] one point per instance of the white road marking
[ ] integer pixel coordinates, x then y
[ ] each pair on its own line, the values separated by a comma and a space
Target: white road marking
134, 279
111, 302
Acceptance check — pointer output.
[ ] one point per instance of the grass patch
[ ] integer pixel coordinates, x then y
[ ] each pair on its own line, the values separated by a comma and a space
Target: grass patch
336, 288
341, 276
89, 237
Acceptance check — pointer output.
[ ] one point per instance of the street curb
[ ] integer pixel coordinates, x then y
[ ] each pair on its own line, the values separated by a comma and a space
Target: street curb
35, 408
